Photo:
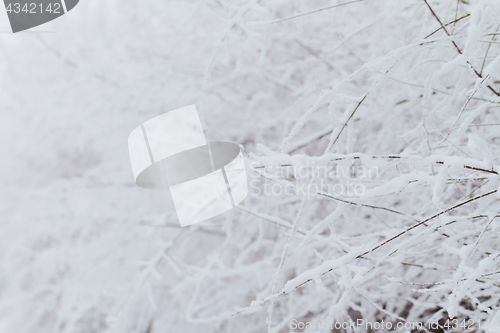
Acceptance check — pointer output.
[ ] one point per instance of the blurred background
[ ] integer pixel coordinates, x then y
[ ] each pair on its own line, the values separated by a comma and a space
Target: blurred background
83, 249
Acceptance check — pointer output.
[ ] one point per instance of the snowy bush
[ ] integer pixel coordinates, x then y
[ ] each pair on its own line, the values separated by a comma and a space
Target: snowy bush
370, 131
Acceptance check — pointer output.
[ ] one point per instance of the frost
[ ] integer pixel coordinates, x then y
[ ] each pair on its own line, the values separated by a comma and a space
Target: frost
371, 138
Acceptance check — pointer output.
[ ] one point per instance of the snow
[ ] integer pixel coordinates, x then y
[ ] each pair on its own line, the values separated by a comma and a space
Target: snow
356, 127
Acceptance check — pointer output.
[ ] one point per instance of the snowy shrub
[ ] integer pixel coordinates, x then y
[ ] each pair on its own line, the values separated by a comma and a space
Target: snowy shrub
370, 131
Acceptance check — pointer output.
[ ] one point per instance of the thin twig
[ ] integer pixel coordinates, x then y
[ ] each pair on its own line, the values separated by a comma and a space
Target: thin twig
456, 47
312, 12
455, 21
404, 232
364, 205
426, 220
389, 157
343, 127
463, 109
488, 50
